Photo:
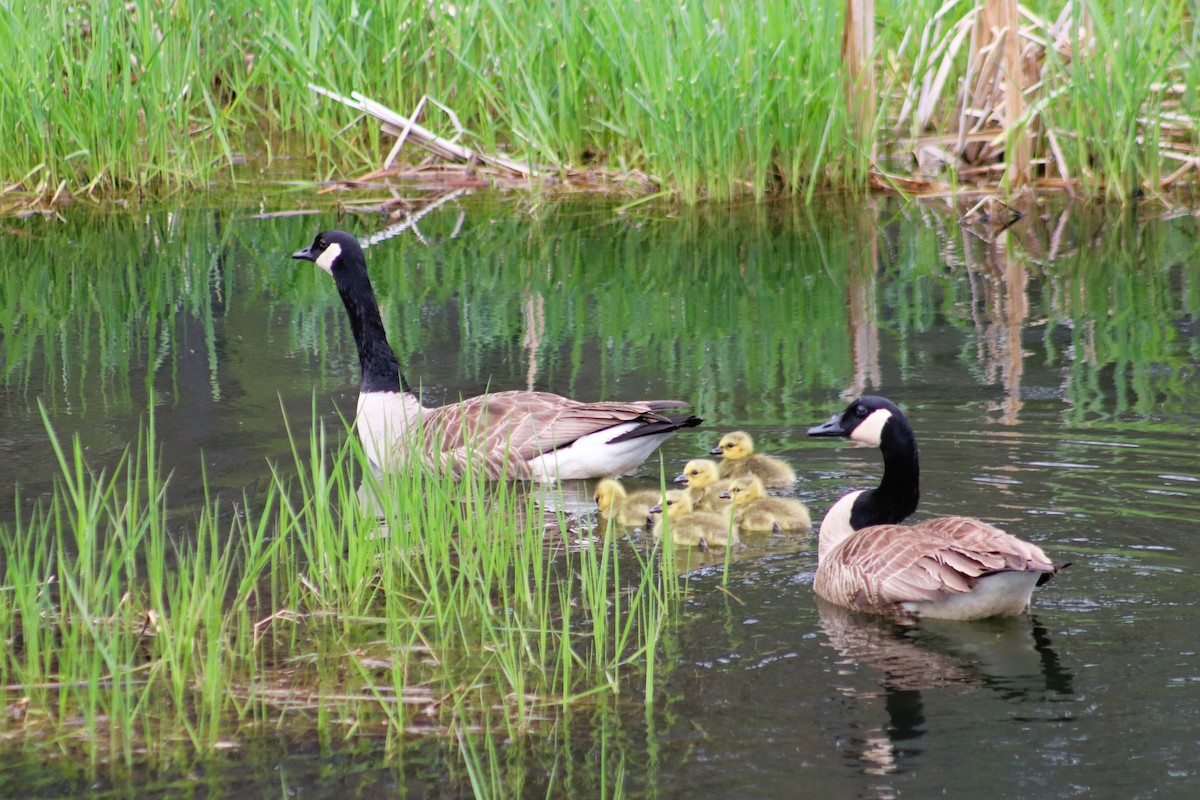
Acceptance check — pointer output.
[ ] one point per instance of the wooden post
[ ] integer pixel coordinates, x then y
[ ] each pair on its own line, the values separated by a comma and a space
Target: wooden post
995, 17
1017, 156
858, 40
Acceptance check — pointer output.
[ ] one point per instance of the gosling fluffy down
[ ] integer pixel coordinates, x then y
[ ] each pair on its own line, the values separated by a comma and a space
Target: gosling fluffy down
692, 528
627, 510
759, 511
704, 485
738, 458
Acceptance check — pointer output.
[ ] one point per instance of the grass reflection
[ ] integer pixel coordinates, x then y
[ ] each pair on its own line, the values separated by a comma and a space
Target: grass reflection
749, 312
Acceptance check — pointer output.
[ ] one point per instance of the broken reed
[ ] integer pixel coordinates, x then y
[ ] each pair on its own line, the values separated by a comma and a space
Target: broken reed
709, 100
133, 637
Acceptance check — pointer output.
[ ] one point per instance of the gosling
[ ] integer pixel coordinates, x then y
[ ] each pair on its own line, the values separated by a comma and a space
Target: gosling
691, 528
627, 510
738, 458
759, 511
704, 485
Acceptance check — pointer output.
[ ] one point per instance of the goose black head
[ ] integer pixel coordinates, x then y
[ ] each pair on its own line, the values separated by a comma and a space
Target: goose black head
334, 252
864, 420
340, 254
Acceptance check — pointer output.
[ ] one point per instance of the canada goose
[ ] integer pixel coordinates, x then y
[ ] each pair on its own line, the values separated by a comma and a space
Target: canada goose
704, 484
514, 434
738, 458
628, 510
759, 511
690, 527
947, 567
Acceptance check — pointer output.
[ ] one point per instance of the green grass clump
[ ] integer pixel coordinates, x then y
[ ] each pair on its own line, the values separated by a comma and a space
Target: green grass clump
709, 100
437, 607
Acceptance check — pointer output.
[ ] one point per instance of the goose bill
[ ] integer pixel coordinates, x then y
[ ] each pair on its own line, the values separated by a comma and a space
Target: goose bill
831, 428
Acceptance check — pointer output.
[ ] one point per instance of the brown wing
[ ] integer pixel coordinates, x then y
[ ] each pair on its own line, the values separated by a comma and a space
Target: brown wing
507, 429
883, 565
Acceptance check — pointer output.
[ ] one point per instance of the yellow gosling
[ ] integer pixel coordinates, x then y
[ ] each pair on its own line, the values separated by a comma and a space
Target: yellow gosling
704, 485
759, 511
738, 458
692, 528
627, 510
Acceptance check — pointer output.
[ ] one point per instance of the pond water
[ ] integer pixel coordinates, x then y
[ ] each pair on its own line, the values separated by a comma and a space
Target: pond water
1050, 371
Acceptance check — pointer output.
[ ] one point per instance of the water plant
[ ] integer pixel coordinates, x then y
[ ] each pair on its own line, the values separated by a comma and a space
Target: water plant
334, 603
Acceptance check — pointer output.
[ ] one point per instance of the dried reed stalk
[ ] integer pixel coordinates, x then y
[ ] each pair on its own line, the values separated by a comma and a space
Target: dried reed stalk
405, 128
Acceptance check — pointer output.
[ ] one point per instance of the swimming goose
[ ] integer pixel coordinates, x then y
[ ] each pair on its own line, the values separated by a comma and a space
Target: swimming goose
627, 510
690, 527
947, 568
514, 434
759, 511
738, 458
704, 484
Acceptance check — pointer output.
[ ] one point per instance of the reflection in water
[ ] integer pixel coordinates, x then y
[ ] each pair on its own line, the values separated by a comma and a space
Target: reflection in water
1011, 655
1002, 271
863, 314
1062, 356
535, 327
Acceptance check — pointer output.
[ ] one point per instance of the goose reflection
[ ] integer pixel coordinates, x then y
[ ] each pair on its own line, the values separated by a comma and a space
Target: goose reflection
1011, 655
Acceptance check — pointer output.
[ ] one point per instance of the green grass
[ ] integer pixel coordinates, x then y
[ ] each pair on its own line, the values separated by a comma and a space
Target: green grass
711, 100
450, 609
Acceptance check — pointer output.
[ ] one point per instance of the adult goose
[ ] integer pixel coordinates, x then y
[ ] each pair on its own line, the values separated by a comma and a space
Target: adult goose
517, 434
946, 568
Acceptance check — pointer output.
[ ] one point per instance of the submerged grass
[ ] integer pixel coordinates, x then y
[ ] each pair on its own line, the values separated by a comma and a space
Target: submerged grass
707, 99
440, 608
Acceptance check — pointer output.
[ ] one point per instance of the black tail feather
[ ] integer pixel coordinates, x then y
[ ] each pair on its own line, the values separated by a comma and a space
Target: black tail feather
658, 426
1046, 576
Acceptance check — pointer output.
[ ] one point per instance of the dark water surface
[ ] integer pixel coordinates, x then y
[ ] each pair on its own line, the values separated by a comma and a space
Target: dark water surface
1050, 372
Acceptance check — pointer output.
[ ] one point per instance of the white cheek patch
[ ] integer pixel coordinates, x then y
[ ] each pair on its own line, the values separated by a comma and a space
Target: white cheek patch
870, 430
326, 259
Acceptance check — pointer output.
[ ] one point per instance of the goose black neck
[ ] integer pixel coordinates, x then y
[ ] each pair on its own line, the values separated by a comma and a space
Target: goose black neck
896, 497
380, 367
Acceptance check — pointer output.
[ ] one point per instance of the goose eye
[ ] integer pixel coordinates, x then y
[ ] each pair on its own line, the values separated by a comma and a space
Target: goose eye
861, 411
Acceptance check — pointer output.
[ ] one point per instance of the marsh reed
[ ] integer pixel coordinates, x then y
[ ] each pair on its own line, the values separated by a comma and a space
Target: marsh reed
684, 100
443, 608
